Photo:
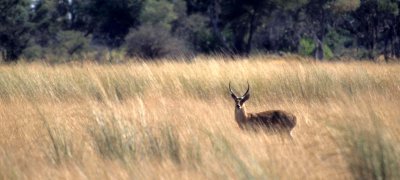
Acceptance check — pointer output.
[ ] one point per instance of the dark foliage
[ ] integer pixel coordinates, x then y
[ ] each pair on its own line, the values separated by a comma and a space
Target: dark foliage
110, 21
323, 29
154, 42
14, 28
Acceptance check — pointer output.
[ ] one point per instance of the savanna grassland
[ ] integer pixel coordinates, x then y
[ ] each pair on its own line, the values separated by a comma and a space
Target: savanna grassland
175, 120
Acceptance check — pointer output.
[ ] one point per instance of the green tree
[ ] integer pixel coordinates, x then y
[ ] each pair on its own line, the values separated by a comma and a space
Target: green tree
158, 13
234, 22
243, 19
320, 16
53, 21
46, 21
212, 10
281, 30
15, 28
375, 26
193, 28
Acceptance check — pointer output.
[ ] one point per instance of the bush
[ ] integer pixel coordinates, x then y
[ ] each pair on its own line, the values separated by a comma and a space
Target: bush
307, 48
66, 44
33, 51
70, 43
194, 30
151, 42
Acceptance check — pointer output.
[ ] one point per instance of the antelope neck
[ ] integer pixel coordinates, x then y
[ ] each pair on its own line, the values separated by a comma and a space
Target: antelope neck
240, 114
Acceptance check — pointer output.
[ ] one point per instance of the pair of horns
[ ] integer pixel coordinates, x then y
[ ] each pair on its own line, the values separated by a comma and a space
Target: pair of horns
247, 91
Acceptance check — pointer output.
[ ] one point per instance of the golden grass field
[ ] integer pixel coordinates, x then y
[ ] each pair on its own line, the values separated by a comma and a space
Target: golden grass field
175, 120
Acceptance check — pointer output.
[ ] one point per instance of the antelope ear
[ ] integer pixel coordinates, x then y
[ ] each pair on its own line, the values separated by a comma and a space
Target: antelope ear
246, 97
233, 96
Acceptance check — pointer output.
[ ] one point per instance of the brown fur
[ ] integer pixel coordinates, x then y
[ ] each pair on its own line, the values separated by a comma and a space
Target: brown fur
274, 119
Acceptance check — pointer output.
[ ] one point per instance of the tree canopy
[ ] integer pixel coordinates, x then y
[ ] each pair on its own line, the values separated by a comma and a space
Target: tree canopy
323, 29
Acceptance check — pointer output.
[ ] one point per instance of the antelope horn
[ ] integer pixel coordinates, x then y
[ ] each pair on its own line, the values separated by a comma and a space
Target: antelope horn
230, 89
248, 89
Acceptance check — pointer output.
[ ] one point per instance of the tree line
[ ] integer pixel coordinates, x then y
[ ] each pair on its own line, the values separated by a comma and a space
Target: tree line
323, 29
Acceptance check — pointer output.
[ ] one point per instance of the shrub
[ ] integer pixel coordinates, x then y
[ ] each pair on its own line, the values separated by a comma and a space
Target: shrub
66, 44
151, 42
34, 51
307, 48
194, 30
70, 43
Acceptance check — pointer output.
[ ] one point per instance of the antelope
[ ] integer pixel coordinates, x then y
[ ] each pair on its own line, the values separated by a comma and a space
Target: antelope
276, 120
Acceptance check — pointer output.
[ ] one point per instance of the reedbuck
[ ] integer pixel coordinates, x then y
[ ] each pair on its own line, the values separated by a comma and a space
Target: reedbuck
275, 120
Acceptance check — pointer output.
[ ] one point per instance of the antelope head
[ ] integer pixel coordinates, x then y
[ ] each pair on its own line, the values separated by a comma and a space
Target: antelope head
239, 101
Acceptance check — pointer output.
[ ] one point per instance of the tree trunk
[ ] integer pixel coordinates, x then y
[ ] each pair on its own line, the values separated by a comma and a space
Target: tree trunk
10, 56
374, 40
239, 33
3, 55
394, 43
319, 37
319, 46
214, 17
251, 32
394, 36
319, 50
385, 47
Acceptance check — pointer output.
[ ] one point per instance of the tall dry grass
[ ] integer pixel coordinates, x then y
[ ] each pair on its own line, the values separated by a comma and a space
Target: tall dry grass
174, 120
